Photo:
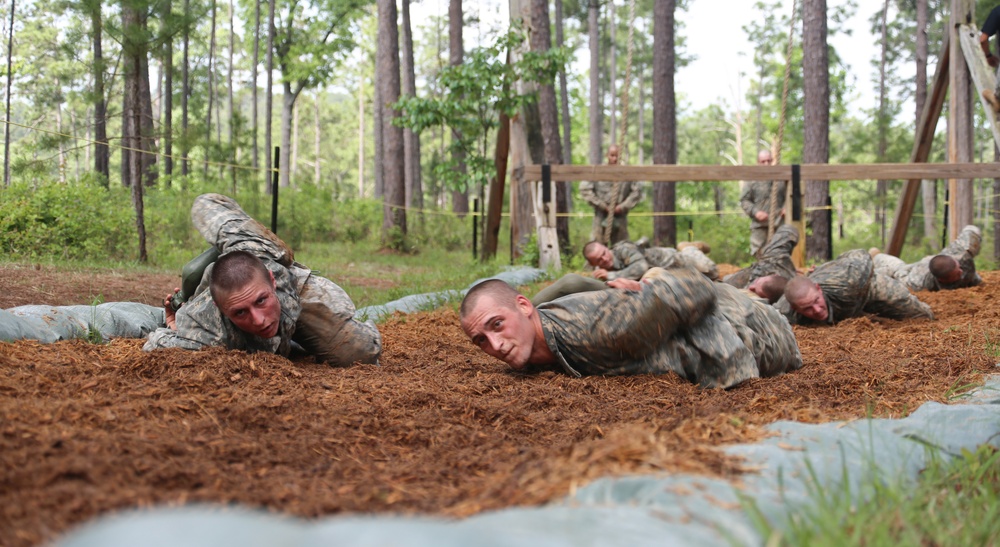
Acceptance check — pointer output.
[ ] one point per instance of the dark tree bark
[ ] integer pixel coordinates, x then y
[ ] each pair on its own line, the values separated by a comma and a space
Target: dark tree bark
101, 152
254, 125
567, 122
411, 140
541, 41
456, 53
882, 126
211, 89
596, 108
147, 158
132, 54
664, 120
377, 136
928, 187
232, 106
816, 119
269, 96
168, 94
6, 131
387, 65
185, 93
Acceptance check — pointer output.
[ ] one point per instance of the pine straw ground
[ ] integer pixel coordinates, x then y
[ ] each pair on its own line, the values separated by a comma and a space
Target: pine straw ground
439, 428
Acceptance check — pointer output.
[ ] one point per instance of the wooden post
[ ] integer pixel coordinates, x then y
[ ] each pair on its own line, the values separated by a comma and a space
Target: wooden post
545, 213
495, 201
960, 121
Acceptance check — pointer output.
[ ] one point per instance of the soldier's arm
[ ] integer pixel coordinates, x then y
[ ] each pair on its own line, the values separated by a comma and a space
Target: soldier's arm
199, 324
969, 241
782, 242
589, 194
890, 298
633, 198
633, 263
748, 199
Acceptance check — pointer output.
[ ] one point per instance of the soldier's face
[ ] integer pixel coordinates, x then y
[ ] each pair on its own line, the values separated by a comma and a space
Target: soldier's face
501, 331
254, 308
601, 257
813, 305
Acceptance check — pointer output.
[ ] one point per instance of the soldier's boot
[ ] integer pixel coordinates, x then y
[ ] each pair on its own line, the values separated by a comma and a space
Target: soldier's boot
991, 97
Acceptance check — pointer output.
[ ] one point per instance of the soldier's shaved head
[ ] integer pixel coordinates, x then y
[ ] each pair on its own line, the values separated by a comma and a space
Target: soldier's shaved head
944, 268
798, 288
806, 298
501, 293
235, 270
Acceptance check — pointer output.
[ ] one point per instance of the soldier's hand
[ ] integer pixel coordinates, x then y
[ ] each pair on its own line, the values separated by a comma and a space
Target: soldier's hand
600, 273
170, 316
627, 284
761, 216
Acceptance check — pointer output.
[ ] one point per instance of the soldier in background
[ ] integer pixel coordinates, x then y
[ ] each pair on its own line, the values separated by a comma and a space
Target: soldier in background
255, 297
601, 195
766, 277
630, 261
847, 287
676, 321
953, 268
756, 202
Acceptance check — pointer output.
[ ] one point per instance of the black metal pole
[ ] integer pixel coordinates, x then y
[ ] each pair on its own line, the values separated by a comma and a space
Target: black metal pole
274, 189
690, 230
475, 226
829, 233
944, 231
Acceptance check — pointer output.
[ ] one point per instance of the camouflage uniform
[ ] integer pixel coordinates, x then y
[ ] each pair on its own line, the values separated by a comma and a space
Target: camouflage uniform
917, 276
757, 197
709, 333
631, 262
600, 195
775, 259
315, 312
851, 288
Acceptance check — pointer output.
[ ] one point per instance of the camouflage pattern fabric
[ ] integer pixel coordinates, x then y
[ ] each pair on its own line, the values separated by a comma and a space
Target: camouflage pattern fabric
757, 197
600, 195
709, 333
775, 259
631, 261
315, 312
917, 276
851, 288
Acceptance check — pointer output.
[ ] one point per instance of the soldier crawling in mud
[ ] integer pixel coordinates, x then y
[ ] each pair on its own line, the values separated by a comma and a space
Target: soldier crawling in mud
675, 320
848, 287
767, 277
255, 297
953, 268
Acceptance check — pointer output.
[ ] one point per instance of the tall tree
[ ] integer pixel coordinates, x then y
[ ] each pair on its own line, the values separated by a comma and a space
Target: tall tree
185, 93
387, 65
6, 131
211, 86
101, 152
232, 105
816, 119
928, 187
133, 51
167, 19
269, 95
567, 122
664, 120
541, 42
456, 53
596, 108
882, 118
411, 140
255, 126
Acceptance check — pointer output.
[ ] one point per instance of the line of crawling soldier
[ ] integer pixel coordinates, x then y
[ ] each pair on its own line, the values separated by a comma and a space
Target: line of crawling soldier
642, 310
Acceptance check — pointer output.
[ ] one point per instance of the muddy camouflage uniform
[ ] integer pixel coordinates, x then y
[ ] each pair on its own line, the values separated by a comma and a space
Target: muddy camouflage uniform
600, 195
631, 262
709, 333
917, 276
775, 259
852, 288
315, 312
757, 197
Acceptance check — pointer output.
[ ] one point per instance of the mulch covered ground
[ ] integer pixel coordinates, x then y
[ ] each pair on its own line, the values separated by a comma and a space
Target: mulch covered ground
439, 428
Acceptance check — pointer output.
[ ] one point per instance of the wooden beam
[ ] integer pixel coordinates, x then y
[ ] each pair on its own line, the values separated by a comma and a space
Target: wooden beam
983, 76
815, 171
960, 123
921, 149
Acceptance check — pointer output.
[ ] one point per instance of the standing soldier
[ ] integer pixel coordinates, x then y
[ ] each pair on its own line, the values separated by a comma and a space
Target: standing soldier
756, 202
607, 202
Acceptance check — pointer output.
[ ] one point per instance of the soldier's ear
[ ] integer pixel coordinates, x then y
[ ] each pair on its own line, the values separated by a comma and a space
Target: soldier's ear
274, 284
524, 305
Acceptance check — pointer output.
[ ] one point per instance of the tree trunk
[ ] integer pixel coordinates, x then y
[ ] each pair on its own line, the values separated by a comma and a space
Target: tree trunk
211, 89
411, 140
361, 137
285, 154
928, 188
882, 125
168, 95
269, 96
664, 120
960, 123
387, 65
613, 71
232, 105
185, 93
456, 53
548, 116
62, 148
317, 129
377, 135
816, 119
132, 54
254, 125
147, 158
101, 152
293, 164
567, 122
594, 154
641, 129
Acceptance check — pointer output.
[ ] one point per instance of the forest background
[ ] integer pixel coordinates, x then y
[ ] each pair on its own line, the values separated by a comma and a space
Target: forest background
120, 113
